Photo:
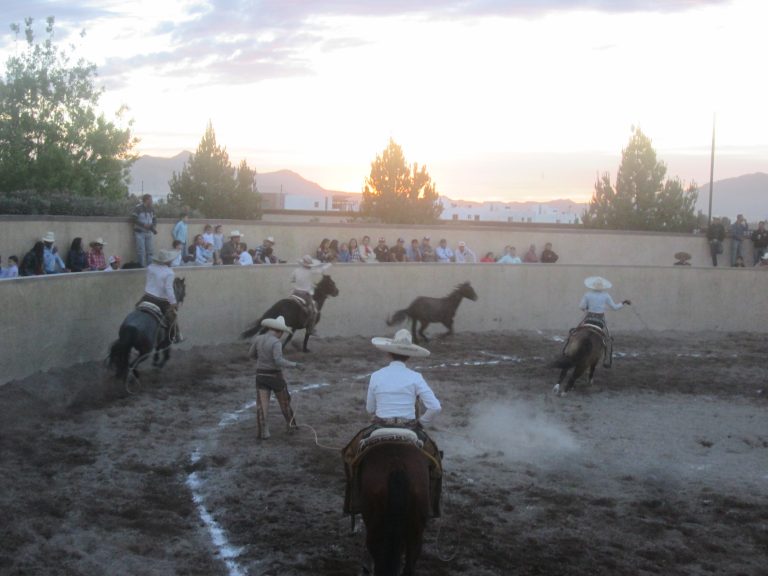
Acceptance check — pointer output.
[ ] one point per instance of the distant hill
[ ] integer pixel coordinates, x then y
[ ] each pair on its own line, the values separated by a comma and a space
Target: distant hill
746, 195
151, 174
289, 182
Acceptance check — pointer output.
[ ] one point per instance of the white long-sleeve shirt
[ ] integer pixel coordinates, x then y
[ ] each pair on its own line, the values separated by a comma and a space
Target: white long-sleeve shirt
393, 390
160, 282
597, 302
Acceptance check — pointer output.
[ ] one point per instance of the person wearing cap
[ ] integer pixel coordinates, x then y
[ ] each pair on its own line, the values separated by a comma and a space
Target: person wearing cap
267, 349
304, 279
594, 303
443, 253
427, 252
264, 252
229, 250
97, 260
464, 255
114, 264
158, 287
52, 262
392, 397
381, 252
144, 226
397, 252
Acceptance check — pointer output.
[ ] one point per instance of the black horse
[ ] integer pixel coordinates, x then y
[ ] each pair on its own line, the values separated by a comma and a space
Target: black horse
584, 349
141, 331
295, 313
427, 310
395, 503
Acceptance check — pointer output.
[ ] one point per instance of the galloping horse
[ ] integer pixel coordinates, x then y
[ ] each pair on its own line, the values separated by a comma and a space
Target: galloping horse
141, 330
584, 349
395, 504
426, 310
295, 312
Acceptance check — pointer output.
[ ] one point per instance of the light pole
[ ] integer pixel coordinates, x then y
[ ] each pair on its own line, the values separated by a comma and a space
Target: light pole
711, 171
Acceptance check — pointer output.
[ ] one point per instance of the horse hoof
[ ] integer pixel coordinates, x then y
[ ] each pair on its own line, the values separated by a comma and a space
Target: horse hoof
556, 389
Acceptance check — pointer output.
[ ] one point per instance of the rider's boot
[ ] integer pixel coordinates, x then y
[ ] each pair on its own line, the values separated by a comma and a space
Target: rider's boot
608, 358
262, 407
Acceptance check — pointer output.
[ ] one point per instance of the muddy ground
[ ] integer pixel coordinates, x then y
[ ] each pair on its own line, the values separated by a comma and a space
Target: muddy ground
659, 467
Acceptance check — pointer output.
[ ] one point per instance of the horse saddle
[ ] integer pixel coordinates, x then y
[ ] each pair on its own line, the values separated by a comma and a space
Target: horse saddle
381, 435
151, 309
301, 300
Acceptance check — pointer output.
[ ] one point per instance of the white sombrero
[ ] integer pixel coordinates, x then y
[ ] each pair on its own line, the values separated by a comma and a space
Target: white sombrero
235, 233
165, 256
308, 262
597, 283
276, 324
401, 344
49, 237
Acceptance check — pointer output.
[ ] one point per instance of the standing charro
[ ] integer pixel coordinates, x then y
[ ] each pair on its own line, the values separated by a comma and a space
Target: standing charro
393, 394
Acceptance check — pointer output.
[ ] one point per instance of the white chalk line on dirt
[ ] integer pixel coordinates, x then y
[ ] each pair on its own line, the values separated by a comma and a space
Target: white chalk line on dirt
226, 550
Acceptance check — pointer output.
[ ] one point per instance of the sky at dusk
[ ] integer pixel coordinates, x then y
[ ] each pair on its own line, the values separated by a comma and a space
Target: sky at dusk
500, 99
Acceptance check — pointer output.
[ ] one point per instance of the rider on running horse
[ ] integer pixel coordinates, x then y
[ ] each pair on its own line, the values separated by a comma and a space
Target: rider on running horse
594, 303
304, 280
158, 290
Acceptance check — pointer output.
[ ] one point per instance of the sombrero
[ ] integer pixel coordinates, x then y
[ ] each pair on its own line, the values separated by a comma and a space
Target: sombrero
49, 237
276, 324
401, 344
165, 256
682, 256
597, 283
308, 262
235, 233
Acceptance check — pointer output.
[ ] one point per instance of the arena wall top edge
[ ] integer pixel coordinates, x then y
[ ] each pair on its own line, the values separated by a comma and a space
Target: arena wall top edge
61, 320
574, 245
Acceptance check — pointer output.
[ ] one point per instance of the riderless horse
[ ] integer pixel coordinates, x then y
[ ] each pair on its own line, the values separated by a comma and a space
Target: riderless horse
145, 329
426, 310
297, 312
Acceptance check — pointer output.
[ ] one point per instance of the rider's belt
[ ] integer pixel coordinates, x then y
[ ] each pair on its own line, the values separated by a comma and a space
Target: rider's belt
395, 421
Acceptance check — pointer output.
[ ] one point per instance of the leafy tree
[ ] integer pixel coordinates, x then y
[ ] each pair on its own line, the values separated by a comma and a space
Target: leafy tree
52, 138
210, 184
642, 198
398, 194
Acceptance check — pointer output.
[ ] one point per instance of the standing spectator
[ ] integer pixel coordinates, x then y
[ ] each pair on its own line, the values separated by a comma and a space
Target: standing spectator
264, 252
443, 253
489, 257
144, 226
218, 238
96, 258
759, 242
229, 251
381, 251
32, 263
464, 254
413, 252
180, 231
366, 250
354, 251
510, 256
208, 235
344, 255
716, 237
12, 270
77, 258
548, 256
427, 252
397, 252
322, 251
52, 262
530, 256
739, 231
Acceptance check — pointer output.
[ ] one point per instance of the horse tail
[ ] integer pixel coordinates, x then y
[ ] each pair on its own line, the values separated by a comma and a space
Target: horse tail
252, 330
120, 351
576, 349
395, 520
397, 317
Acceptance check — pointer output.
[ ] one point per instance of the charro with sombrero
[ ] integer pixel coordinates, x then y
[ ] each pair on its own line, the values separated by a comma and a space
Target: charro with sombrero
594, 303
393, 394
304, 279
158, 290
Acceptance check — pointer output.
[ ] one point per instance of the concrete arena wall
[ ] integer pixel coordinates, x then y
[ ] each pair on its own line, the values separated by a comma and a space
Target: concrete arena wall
66, 319
294, 239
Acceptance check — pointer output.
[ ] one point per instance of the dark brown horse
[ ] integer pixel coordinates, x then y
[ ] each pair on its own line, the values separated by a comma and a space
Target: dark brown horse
426, 310
395, 504
584, 349
296, 315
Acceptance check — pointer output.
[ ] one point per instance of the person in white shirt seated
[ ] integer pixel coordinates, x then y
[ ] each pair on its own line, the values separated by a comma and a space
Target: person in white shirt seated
393, 394
244, 258
443, 253
464, 254
12, 270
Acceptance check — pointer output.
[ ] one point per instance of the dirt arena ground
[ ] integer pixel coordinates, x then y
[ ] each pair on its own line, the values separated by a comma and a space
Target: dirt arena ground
659, 467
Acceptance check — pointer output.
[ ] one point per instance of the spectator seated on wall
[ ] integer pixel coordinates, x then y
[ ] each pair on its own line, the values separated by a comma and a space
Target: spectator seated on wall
11, 270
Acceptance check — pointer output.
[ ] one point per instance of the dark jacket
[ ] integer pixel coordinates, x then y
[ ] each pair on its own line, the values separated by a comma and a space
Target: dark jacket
31, 265
228, 252
716, 231
77, 261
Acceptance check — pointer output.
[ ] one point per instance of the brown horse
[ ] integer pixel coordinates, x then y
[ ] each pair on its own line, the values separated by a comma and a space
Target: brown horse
394, 494
584, 349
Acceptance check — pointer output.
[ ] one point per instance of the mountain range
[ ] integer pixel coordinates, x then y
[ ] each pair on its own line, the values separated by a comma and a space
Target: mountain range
747, 194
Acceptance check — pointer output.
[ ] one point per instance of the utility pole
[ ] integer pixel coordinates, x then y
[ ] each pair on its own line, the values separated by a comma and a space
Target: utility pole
711, 170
